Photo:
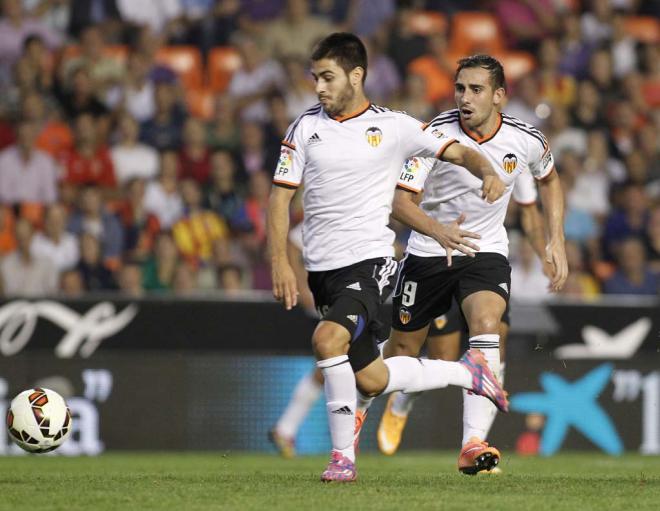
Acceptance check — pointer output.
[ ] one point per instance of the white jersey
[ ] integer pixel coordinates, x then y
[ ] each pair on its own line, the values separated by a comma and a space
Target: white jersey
349, 168
516, 150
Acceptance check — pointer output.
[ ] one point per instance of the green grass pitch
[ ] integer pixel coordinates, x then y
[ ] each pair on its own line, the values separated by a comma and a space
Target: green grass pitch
407, 481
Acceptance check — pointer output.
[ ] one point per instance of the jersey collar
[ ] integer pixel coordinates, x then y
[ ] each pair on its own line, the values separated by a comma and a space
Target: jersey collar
363, 108
477, 138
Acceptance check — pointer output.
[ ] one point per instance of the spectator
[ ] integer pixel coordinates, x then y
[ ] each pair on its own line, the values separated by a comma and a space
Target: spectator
564, 137
38, 56
132, 159
414, 100
194, 157
222, 196
557, 88
526, 22
93, 218
55, 243
624, 47
653, 239
295, 33
254, 154
89, 162
163, 17
7, 232
195, 233
255, 81
79, 98
383, 81
130, 280
597, 22
102, 13
15, 27
588, 110
137, 92
71, 284
163, 130
162, 197
230, 279
54, 136
580, 283
159, 269
27, 175
223, 131
436, 68
21, 273
525, 103
405, 45
629, 219
600, 73
527, 275
634, 276
103, 70
95, 275
575, 51
300, 94
139, 226
184, 282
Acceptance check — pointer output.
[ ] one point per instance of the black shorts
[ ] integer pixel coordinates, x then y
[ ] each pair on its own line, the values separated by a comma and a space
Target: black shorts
426, 286
454, 321
352, 296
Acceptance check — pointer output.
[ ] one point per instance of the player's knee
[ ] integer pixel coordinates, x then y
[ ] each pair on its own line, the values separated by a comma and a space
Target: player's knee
373, 385
484, 324
328, 341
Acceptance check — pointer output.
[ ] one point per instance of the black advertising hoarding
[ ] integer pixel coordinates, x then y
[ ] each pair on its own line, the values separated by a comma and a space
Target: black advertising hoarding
214, 375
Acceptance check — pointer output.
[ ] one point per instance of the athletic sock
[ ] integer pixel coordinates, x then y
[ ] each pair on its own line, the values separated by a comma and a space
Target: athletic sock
340, 396
403, 402
363, 402
410, 374
478, 411
305, 394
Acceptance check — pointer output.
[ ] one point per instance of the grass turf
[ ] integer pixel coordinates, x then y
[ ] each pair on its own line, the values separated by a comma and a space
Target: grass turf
161, 481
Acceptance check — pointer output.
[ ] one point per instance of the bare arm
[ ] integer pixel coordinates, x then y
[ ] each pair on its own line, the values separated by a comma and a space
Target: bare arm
285, 288
478, 165
406, 210
552, 199
534, 229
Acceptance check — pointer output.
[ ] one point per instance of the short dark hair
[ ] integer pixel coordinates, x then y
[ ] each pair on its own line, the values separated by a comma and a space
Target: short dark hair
345, 48
490, 64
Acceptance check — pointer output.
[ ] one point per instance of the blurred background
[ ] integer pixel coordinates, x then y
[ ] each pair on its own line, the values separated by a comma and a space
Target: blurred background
138, 141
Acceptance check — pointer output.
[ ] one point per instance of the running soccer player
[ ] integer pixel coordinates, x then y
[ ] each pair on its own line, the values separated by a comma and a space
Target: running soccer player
445, 331
428, 278
349, 154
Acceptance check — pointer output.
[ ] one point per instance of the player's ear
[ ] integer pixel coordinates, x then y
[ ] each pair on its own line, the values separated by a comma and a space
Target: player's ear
356, 75
498, 96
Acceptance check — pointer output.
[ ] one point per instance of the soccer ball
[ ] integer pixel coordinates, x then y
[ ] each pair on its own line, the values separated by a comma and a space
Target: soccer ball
39, 420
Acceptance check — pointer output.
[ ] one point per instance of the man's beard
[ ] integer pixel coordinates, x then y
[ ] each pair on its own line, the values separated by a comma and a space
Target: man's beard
343, 98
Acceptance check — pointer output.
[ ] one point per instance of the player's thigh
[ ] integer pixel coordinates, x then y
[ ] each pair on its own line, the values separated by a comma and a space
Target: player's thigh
407, 343
483, 292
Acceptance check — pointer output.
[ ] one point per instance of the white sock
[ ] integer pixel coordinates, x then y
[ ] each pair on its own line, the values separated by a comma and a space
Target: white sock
478, 411
500, 378
340, 397
410, 374
403, 402
304, 396
363, 402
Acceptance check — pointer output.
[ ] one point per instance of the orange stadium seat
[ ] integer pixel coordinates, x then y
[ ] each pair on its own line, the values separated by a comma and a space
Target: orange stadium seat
425, 23
186, 61
516, 64
643, 28
222, 62
475, 31
117, 52
200, 102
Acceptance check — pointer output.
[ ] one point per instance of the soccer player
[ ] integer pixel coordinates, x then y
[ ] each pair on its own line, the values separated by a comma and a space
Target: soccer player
349, 153
444, 335
428, 278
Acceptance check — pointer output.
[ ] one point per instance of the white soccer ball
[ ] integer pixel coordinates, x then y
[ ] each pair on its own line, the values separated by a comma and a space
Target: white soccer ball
38, 420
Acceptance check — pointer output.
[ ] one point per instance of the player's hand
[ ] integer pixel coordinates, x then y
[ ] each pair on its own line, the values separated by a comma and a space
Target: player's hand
285, 286
492, 188
452, 237
555, 254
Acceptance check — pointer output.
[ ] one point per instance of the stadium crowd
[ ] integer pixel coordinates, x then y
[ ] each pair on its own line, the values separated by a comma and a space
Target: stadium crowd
138, 139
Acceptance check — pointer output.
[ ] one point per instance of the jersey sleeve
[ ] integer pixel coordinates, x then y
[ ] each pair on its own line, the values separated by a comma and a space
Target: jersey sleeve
419, 139
524, 189
541, 161
414, 173
290, 165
